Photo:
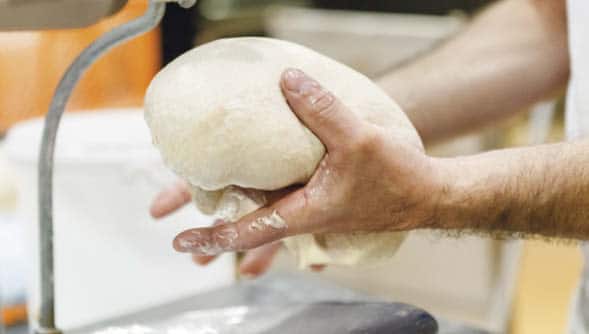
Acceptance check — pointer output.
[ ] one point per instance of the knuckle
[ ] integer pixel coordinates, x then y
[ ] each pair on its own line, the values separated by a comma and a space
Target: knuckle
323, 104
307, 209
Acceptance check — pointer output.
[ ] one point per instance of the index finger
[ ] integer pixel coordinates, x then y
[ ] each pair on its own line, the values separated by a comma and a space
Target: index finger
288, 216
271, 197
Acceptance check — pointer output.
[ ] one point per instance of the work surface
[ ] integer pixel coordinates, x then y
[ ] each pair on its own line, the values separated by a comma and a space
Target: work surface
278, 303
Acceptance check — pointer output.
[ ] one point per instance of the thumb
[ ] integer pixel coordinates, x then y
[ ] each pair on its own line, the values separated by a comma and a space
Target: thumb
318, 109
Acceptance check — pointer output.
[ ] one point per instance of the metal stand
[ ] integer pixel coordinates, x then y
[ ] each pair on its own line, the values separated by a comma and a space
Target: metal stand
149, 20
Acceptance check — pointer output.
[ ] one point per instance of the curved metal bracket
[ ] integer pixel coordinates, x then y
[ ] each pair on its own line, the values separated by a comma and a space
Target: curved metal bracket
71, 77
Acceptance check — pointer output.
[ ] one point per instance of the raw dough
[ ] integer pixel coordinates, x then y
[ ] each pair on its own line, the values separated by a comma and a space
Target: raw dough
220, 121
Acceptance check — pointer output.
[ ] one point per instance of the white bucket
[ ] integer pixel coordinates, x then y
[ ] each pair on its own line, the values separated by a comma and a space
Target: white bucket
111, 258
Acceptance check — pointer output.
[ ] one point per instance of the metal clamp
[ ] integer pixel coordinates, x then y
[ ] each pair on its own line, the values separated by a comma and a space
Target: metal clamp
149, 20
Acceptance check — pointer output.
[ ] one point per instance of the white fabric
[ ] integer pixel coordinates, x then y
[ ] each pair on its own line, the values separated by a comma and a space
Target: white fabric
577, 126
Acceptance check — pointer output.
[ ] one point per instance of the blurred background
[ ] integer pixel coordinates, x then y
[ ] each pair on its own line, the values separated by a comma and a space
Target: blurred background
492, 285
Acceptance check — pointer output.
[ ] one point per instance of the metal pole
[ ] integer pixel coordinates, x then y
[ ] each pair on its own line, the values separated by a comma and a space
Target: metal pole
103, 44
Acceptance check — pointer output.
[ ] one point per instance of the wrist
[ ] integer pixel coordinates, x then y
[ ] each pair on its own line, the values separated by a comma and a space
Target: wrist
480, 193
456, 196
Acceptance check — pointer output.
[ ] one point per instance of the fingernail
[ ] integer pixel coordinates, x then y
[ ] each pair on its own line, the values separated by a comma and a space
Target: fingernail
309, 87
292, 79
298, 82
185, 245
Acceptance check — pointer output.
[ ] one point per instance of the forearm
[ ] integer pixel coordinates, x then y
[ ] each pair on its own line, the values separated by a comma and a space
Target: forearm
541, 190
512, 55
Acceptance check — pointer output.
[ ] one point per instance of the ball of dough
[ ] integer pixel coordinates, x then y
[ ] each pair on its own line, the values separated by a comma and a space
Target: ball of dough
221, 122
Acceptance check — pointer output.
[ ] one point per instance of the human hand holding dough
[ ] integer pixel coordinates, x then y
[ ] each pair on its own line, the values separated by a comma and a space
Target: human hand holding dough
220, 116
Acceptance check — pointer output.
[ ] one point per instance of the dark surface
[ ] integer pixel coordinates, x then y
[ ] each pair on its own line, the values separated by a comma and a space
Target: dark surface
434, 7
358, 317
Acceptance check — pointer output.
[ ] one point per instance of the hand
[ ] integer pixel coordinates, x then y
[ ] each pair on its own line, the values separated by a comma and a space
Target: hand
367, 181
254, 263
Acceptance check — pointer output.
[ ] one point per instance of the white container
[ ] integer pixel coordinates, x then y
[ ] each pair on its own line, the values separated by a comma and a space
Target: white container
111, 258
